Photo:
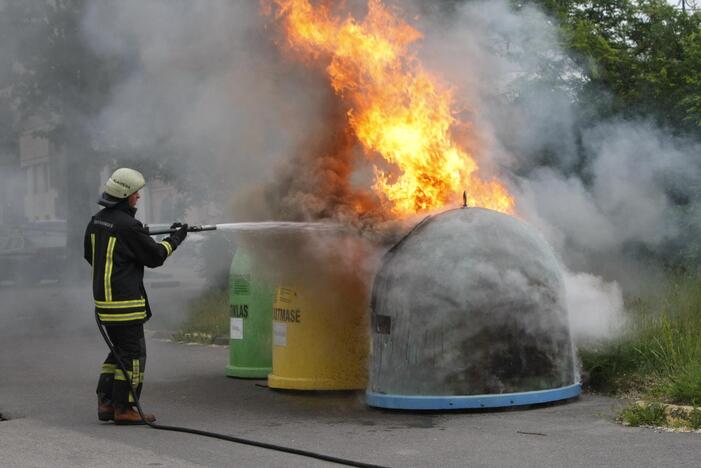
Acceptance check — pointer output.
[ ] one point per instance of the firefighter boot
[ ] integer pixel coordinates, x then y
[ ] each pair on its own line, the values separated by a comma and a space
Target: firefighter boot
105, 410
130, 417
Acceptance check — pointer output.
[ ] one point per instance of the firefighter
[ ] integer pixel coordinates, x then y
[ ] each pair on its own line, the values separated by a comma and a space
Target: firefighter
118, 247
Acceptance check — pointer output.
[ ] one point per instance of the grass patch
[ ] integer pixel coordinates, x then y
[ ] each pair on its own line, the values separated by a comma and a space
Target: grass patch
207, 319
659, 355
657, 414
694, 419
652, 414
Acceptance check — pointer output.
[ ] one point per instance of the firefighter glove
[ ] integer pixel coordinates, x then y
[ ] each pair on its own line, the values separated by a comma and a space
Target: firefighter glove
180, 235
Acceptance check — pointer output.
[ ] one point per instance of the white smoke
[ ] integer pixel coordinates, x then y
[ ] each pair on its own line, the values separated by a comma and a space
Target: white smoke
595, 306
204, 91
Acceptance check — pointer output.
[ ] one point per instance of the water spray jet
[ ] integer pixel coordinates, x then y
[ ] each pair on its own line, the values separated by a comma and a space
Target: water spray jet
160, 229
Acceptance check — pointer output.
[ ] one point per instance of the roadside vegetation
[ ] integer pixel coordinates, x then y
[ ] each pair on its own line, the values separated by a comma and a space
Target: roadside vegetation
208, 319
657, 358
659, 354
652, 414
655, 414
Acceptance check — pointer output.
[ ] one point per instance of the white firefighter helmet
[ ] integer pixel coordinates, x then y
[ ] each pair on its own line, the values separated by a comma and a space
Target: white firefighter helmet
123, 182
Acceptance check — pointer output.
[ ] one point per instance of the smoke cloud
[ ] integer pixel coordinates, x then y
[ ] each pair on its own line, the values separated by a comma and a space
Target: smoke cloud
602, 195
207, 79
204, 93
595, 306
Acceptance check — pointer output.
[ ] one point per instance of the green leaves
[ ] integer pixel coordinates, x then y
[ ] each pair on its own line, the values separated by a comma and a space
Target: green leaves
646, 53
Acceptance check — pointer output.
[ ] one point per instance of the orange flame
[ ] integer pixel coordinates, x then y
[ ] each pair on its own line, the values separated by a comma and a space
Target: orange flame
396, 108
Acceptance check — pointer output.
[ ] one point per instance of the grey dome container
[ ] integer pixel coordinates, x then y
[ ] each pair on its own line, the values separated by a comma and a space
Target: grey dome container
469, 311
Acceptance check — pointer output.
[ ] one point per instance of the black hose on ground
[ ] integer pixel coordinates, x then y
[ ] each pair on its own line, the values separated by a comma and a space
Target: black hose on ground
214, 435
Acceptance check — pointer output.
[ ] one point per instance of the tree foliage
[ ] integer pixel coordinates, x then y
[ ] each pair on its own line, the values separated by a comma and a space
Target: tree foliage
645, 53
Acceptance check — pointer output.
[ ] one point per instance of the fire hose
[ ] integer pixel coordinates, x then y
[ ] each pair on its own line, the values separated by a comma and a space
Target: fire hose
215, 435
174, 227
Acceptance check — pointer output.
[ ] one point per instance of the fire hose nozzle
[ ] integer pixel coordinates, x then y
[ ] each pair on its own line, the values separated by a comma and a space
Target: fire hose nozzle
193, 228
202, 227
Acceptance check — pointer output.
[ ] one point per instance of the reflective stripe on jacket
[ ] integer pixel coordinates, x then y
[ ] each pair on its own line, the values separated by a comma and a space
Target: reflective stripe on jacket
118, 247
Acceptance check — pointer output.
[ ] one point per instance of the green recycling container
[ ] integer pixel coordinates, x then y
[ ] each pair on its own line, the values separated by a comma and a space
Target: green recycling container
250, 312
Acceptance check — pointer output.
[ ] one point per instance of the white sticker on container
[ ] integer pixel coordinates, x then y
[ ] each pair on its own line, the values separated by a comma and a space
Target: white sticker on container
279, 333
236, 328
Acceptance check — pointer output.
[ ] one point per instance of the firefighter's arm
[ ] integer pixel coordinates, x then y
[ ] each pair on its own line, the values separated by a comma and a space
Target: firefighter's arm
148, 251
87, 246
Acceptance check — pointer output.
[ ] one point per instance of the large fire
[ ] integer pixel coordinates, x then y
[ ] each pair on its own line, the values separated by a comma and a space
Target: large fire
396, 108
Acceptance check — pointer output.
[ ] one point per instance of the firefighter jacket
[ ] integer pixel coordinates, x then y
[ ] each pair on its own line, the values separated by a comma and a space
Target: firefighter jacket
118, 247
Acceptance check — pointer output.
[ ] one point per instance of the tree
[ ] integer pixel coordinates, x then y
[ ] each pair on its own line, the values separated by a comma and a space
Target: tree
646, 53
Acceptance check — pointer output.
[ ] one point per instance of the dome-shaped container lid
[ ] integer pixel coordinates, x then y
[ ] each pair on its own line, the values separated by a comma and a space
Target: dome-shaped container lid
470, 302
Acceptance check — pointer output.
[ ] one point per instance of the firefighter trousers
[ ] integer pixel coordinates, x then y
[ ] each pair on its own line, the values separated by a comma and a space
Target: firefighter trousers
130, 345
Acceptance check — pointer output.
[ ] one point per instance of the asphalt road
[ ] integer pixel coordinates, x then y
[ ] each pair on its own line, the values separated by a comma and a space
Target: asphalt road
50, 355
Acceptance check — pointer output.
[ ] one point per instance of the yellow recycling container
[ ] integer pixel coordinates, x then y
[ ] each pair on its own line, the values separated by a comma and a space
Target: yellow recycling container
320, 325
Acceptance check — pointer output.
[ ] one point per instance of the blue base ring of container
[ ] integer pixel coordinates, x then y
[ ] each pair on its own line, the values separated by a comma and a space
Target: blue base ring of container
420, 402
